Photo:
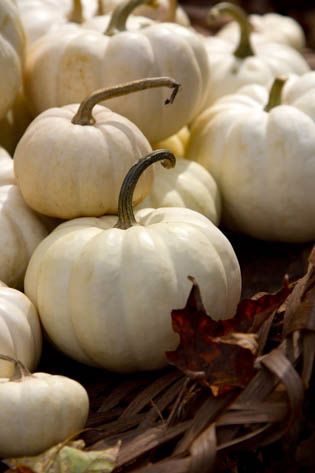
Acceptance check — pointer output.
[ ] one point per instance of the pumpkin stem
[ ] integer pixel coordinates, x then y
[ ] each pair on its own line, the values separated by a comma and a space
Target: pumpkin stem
76, 14
126, 217
100, 8
121, 13
22, 371
84, 114
172, 10
244, 48
275, 93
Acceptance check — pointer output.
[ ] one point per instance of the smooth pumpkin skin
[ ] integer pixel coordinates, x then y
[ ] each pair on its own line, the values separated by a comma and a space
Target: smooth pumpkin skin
21, 230
187, 185
51, 407
113, 286
263, 162
228, 73
269, 27
6, 168
20, 332
66, 66
176, 143
12, 44
66, 170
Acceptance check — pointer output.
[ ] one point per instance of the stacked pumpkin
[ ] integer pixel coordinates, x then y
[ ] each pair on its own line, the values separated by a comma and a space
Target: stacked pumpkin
96, 101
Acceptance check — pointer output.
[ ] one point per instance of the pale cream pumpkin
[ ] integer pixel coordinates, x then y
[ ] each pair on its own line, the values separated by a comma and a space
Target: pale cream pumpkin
41, 410
71, 163
164, 10
12, 43
20, 332
233, 65
20, 232
176, 143
262, 155
187, 185
115, 284
6, 168
269, 27
66, 66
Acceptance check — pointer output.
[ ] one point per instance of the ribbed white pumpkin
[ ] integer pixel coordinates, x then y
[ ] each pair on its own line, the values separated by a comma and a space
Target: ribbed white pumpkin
270, 27
41, 410
66, 66
12, 43
116, 286
233, 65
187, 185
263, 161
20, 232
20, 333
71, 161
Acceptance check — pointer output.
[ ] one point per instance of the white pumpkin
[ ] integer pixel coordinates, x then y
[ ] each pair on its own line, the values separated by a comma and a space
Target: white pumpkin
187, 185
66, 66
6, 168
115, 284
248, 62
41, 410
20, 332
263, 159
20, 232
165, 10
176, 143
40, 17
71, 163
12, 44
270, 27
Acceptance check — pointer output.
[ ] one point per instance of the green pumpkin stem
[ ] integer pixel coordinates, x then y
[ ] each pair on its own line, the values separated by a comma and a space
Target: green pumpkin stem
76, 14
84, 114
275, 93
126, 217
244, 48
121, 13
22, 371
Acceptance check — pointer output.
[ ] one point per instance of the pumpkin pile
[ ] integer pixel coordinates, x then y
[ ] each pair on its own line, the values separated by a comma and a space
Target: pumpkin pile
99, 242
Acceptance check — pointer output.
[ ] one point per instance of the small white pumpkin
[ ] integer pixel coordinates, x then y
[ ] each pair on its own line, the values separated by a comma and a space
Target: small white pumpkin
261, 153
270, 27
41, 410
20, 232
233, 65
20, 332
66, 66
71, 163
12, 43
187, 185
115, 284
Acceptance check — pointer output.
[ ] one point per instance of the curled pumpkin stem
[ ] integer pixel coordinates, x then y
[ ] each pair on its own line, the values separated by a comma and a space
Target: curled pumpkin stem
21, 369
244, 48
126, 217
275, 93
84, 114
121, 14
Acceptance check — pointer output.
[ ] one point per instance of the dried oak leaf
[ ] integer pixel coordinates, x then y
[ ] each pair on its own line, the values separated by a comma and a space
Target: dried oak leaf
221, 354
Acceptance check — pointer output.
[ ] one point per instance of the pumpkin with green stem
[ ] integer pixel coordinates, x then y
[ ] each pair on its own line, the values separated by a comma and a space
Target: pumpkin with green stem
71, 162
66, 66
261, 151
233, 66
41, 410
116, 280
20, 332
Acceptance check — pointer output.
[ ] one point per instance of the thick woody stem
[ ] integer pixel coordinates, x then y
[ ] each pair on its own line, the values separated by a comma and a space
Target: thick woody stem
244, 48
121, 13
76, 14
275, 93
84, 114
126, 217
21, 369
